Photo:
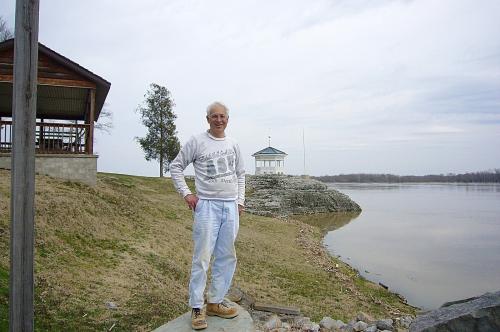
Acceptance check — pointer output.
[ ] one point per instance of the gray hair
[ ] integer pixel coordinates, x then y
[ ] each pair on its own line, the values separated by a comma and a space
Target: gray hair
217, 104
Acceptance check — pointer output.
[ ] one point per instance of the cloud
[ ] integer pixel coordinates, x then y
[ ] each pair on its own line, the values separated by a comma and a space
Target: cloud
365, 80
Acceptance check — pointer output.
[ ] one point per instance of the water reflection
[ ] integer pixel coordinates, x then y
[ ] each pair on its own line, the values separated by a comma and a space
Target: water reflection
328, 221
432, 243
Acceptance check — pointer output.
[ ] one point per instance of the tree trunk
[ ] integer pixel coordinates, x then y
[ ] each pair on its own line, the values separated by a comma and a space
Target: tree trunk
161, 166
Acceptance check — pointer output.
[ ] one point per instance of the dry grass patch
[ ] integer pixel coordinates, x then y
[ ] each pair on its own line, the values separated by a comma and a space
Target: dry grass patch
128, 241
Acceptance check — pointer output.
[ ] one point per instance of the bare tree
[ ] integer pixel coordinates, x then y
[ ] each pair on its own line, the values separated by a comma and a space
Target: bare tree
5, 32
105, 122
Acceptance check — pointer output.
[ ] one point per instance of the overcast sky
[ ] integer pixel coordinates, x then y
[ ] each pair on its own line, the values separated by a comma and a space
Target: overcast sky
403, 87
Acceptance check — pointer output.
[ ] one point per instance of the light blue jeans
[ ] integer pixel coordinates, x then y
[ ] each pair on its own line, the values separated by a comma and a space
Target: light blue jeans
215, 229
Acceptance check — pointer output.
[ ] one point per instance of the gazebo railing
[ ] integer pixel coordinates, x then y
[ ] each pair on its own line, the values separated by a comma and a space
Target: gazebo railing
55, 138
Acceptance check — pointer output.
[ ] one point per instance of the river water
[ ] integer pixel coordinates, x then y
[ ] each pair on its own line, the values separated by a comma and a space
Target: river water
431, 243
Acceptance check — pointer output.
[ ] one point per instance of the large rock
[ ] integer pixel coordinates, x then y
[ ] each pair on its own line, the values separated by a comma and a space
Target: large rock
282, 195
372, 328
327, 323
480, 314
385, 324
359, 326
330, 324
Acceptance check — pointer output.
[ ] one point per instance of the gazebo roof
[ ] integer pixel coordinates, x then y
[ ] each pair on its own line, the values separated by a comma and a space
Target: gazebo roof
63, 85
269, 151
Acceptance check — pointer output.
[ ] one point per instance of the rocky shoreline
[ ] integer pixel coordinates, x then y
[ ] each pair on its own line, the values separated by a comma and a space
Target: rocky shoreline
282, 319
477, 314
362, 323
284, 195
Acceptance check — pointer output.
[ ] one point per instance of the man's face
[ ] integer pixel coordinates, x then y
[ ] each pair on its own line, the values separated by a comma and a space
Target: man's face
218, 121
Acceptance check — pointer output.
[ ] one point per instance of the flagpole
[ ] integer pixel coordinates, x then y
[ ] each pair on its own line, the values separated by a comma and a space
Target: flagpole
304, 147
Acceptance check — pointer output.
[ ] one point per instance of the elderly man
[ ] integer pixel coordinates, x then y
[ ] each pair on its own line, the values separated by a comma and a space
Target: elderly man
217, 204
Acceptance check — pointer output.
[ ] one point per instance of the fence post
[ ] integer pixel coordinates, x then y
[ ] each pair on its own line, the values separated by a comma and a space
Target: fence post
23, 167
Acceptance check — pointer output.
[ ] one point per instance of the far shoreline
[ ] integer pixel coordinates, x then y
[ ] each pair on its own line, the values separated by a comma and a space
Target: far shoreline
489, 176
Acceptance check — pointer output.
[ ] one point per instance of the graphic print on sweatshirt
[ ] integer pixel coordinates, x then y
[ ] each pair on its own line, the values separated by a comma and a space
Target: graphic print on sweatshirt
219, 166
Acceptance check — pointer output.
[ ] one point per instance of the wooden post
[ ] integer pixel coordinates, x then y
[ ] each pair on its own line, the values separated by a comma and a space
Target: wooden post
40, 135
91, 123
23, 167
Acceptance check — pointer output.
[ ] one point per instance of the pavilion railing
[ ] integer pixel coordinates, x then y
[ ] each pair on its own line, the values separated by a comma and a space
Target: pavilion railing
55, 138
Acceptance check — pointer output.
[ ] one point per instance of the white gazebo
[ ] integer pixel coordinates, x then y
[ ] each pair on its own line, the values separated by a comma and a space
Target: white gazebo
269, 161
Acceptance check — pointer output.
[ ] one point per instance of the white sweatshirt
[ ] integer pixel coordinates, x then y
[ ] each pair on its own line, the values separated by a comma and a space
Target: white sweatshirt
218, 168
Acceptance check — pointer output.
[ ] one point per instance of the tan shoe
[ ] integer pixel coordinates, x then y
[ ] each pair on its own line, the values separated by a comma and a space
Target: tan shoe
198, 319
222, 309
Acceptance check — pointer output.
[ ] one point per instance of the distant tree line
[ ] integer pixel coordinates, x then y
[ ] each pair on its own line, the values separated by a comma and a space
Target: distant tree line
474, 177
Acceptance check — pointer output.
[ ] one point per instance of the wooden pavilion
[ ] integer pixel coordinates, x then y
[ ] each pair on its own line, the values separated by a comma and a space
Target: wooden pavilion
69, 101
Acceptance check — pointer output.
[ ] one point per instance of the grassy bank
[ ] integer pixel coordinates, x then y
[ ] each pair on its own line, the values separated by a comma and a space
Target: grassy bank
128, 241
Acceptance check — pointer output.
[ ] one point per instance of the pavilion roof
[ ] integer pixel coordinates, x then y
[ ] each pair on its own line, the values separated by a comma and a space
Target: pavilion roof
63, 85
269, 151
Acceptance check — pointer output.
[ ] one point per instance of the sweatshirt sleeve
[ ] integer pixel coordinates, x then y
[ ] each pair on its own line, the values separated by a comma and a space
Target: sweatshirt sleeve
179, 164
240, 173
